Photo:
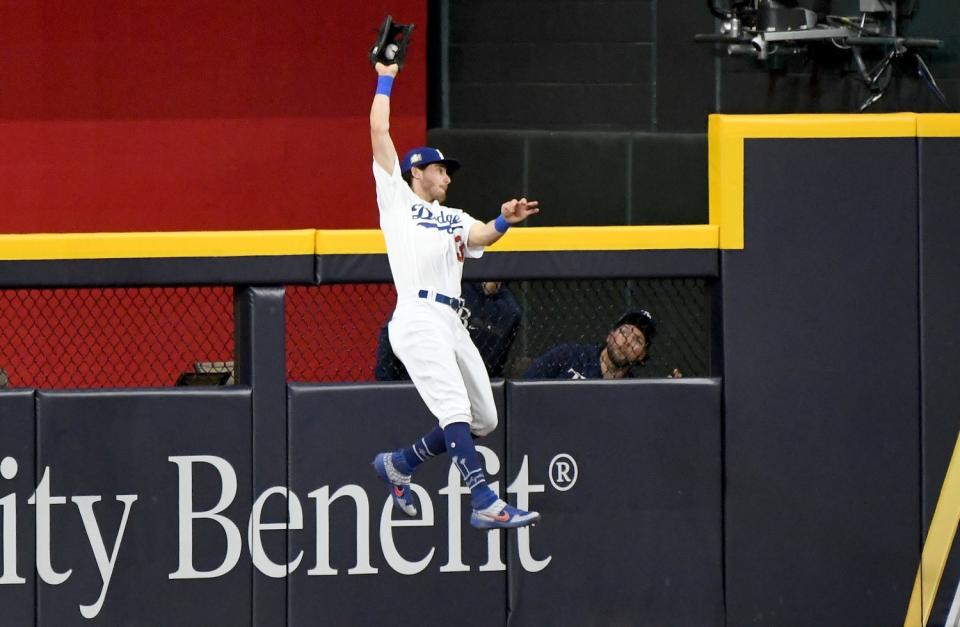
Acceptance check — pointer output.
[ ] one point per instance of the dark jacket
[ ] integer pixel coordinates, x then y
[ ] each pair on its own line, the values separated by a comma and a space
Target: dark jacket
567, 361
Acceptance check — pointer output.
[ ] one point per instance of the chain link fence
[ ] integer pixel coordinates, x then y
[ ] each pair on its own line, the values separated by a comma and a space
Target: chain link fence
332, 330
165, 336
114, 337
336, 333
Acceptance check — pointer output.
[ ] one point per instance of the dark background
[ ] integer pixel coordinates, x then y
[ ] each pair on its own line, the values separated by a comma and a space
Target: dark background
599, 109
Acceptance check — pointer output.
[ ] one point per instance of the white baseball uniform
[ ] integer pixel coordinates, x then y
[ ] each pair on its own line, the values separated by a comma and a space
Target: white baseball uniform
426, 247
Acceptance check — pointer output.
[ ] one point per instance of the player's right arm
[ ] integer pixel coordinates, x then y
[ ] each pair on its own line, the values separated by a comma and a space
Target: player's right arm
384, 152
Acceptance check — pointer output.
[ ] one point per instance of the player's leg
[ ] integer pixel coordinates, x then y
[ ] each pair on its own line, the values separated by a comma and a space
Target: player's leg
426, 349
496, 513
483, 409
430, 354
431, 445
437, 377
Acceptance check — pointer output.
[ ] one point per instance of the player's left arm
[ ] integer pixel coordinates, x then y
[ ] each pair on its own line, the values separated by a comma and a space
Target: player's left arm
512, 212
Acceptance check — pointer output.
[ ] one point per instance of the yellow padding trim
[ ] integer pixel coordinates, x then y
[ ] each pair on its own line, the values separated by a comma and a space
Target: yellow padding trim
726, 134
556, 238
938, 125
819, 126
155, 245
350, 242
936, 548
559, 238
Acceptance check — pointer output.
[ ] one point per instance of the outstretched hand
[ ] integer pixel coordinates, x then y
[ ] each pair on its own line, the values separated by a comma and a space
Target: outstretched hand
387, 70
516, 211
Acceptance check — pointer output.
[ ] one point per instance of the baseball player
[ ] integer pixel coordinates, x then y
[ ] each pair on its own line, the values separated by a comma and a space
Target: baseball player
427, 243
492, 317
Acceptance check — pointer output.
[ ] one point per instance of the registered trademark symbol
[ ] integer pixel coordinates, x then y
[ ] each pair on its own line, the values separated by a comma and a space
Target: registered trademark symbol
563, 472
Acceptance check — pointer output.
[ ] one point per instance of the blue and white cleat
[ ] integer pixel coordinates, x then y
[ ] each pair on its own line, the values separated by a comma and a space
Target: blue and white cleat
502, 515
399, 483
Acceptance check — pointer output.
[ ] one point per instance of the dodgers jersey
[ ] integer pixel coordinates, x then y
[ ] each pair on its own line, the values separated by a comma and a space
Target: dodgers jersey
426, 242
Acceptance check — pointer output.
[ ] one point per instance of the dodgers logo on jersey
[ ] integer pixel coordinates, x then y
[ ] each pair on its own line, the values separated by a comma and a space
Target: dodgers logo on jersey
441, 221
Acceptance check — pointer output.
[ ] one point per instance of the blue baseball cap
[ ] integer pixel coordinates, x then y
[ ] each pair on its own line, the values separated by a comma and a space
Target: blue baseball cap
643, 320
422, 156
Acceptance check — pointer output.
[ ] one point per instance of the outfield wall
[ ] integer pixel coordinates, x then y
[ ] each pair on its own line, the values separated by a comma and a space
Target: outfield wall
803, 486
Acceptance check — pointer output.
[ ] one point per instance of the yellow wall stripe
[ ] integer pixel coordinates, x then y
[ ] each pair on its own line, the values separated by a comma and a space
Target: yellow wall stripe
155, 245
936, 549
65, 246
557, 238
350, 242
714, 174
822, 126
728, 132
691, 236
938, 125
726, 179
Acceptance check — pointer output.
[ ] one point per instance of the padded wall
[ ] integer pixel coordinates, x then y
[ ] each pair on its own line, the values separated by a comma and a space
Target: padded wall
627, 476
335, 432
940, 338
821, 385
108, 444
17, 443
630, 498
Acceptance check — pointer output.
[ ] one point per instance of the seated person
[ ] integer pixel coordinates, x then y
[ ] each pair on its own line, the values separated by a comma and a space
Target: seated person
627, 345
491, 315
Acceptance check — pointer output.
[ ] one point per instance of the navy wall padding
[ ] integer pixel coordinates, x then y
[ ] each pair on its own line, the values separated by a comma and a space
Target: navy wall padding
940, 335
940, 309
821, 382
335, 432
109, 443
267, 269
563, 264
260, 334
17, 441
636, 540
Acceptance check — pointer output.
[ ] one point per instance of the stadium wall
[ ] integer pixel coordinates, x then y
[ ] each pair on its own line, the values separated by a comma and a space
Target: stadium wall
803, 487
178, 116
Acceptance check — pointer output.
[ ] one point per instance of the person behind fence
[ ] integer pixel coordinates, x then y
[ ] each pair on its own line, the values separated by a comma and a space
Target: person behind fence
627, 344
427, 243
492, 317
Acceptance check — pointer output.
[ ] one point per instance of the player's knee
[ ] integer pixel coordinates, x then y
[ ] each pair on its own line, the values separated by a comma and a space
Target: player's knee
484, 424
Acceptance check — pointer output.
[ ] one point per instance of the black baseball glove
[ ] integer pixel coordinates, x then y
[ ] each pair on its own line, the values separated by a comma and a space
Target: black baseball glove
391, 44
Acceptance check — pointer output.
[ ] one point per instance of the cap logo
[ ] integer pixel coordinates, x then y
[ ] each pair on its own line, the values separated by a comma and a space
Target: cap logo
416, 158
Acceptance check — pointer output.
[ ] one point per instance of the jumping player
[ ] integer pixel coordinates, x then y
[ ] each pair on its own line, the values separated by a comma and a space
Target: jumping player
426, 246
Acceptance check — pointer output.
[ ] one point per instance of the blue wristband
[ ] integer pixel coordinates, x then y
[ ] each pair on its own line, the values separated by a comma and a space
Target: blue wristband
384, 85
501, 224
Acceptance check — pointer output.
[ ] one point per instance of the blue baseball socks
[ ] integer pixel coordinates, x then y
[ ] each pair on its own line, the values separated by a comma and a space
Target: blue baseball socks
464, 455
457, 440
433, 444
489, 511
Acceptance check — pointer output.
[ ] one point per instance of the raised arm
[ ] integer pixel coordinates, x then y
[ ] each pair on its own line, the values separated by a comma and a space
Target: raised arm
512, 212
384, 152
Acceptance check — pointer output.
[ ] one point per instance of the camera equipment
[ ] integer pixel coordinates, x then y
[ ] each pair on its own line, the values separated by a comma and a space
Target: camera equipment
768, 28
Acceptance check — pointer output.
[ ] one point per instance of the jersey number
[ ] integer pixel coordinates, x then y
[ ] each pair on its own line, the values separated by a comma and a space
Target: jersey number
459, 242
